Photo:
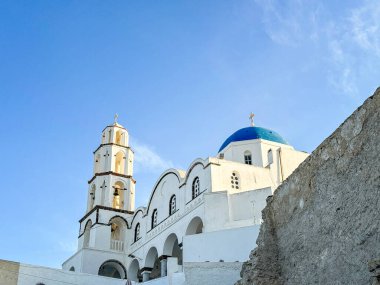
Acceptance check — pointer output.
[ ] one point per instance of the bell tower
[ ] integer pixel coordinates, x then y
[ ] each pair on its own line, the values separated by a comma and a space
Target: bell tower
112, 184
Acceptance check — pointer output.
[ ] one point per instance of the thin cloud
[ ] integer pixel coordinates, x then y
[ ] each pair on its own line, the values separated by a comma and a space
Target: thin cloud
365, 24
349, 41
147, 160
289, 23
68, 246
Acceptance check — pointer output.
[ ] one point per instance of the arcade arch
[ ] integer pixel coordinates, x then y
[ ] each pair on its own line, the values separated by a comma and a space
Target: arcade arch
195, 226
112, 268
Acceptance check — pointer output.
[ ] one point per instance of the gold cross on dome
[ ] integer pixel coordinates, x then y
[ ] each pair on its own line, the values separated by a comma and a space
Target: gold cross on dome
251, 116
116, 116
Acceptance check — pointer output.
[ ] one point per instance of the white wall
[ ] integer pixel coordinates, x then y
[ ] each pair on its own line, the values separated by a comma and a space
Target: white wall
31, 275
227, 245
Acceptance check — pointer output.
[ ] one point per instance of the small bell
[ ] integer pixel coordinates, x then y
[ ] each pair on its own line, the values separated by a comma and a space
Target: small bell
116, 193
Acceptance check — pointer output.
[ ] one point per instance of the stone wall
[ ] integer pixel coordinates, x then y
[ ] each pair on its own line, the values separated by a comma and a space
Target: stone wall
322, 225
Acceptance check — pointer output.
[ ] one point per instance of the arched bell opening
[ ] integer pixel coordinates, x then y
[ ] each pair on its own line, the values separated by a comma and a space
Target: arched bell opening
118, 195
195, 226
119, 162
113, 268
91, 198
120, 137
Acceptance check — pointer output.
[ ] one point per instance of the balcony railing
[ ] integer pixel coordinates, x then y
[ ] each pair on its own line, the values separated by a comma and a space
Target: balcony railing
117, 245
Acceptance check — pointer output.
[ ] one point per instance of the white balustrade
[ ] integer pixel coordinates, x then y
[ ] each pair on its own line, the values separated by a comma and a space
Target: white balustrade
117, 245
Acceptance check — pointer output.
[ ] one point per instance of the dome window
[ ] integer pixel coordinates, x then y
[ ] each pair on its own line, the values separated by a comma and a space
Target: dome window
270, 157
248, 157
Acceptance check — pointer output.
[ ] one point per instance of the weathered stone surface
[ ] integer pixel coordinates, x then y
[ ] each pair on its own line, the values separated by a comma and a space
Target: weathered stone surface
322, 225
9, 272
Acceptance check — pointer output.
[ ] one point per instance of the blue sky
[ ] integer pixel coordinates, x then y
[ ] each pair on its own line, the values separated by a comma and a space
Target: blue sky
182, 75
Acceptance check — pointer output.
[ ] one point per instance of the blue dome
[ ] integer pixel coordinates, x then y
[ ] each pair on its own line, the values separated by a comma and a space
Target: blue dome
252, 133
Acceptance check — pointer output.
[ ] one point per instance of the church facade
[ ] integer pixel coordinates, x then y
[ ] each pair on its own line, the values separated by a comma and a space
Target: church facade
196, 221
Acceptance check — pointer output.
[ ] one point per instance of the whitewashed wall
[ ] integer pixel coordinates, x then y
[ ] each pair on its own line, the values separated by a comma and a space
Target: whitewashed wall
31, 275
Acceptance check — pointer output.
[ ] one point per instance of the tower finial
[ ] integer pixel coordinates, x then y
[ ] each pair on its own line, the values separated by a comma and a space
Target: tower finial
115, 120
251, 116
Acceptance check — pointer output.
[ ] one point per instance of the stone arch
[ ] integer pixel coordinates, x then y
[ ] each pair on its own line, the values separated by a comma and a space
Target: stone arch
195, 226
134, 273
151, 261
72, 268
113, 268
172, 248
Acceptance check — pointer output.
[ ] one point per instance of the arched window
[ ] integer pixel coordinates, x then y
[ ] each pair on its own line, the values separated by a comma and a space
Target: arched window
72, 268
154, 218
235, 181
172, 205
137, 232
195, 188
270, 156
86, 234
247, 157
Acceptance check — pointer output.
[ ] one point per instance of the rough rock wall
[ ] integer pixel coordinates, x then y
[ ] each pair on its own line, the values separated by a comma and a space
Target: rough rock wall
322, 225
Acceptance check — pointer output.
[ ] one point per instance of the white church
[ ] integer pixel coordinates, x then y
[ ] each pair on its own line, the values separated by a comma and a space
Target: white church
199, 225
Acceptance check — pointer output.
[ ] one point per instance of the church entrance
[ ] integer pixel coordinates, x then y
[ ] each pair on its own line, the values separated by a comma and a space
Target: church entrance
112, 268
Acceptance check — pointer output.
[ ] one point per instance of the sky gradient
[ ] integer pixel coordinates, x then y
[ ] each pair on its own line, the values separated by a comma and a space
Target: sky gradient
182, 75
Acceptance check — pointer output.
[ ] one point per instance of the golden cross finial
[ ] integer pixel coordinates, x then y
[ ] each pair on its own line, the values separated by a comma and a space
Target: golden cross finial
116, 116
251, 118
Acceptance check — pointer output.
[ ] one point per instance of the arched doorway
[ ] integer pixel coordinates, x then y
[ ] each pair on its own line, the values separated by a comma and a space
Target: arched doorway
171, 247
112, 268
195, 226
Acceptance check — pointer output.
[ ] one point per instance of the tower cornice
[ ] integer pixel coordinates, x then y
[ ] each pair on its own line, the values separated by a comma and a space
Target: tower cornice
104, 144
99, 207
115, 126
111, 173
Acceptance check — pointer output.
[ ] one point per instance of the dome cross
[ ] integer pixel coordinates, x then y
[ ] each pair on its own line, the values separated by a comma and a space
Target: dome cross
251, 116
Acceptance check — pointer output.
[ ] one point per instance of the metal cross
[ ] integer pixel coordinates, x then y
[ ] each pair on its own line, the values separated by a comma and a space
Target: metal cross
116, 116
251, 118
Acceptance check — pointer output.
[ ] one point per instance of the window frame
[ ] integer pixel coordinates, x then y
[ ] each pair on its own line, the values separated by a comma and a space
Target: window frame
195, 187
172, 205
154, 219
